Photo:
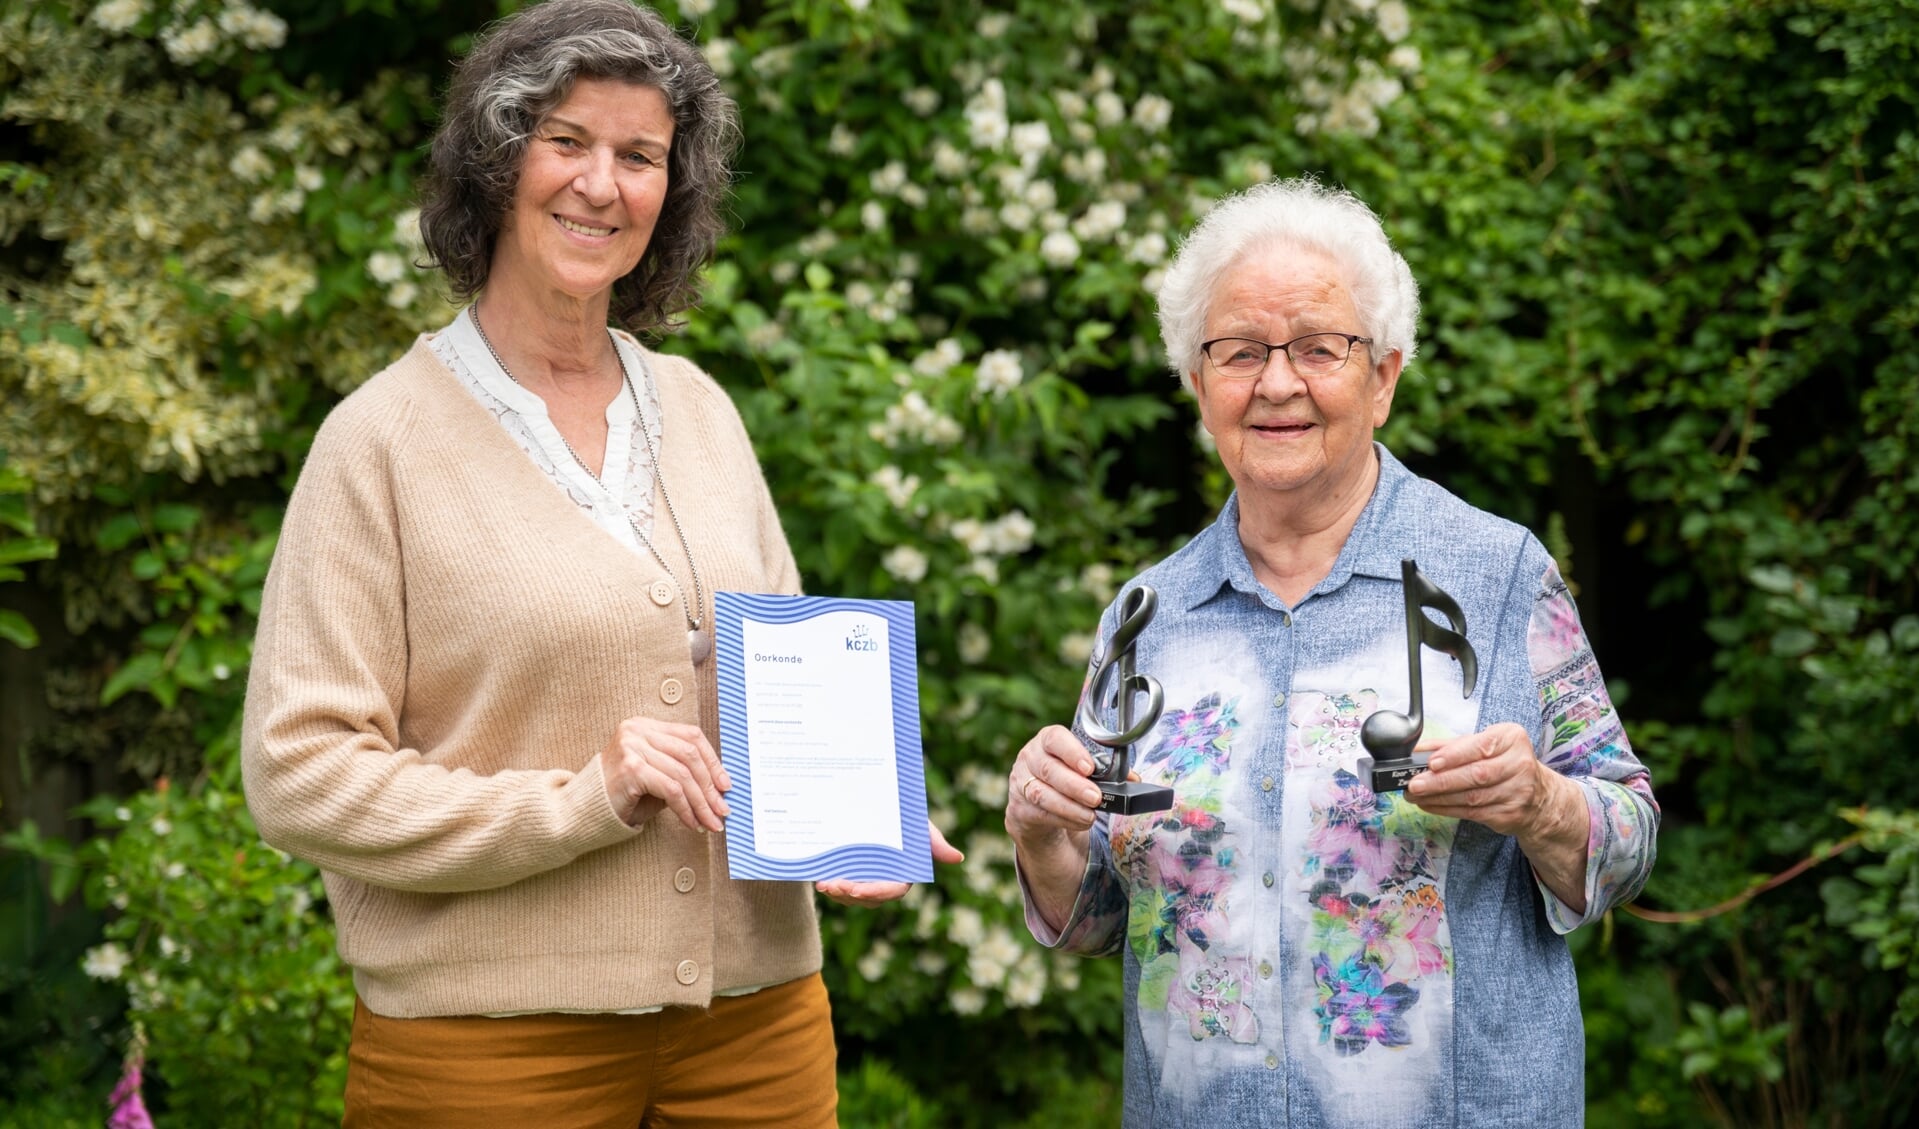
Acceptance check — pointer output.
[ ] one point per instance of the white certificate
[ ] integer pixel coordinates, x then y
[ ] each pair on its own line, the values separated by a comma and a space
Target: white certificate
819, 731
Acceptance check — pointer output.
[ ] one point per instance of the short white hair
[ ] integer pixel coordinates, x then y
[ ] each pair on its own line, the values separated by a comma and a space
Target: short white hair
1301, 214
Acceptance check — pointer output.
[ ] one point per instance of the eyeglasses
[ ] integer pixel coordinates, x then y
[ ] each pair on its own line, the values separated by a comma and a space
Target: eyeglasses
1316, 354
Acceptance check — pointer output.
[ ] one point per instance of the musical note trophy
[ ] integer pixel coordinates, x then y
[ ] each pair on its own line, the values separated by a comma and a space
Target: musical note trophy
1389, 737
1120, 795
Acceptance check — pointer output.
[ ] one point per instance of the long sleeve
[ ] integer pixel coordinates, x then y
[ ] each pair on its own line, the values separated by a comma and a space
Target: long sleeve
1587, 744
326, 776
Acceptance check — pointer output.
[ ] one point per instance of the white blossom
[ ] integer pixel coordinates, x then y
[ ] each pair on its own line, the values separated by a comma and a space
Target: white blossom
1152, 113
1082, 133
998, 373
1075, 647
977, 221
106, 962
765, 335
967, 928
873, 216
905, 563
719, 56
301, 901
1041, 195
1246, 11
1098, 580
400, 295
1017, 215
175, 870
992, 25
1101, 221
261, 31
118, 15
309, 178
694, 9
385, 267
784, 271
988, 962
250, 165
986, 568
1026, 985
913, 196
123, 815
929, 963
842, 141
1086, 168
816, 244
1031, 140
1101, 78
967, 1001
406, 231
922, 100
873, 964
1071, 103
161, 825
1393, 20
899, 488
1031, 290
773, 62
948, 161
941, 357
189, 45
1153, 281
974, 644
889, 178
1149, 249
1059, 249
1108, 108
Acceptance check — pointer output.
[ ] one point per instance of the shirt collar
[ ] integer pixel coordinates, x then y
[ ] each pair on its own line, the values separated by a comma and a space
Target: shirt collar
1383, 536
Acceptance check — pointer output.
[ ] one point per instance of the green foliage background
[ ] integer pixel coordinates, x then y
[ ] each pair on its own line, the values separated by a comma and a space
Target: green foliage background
1668, 252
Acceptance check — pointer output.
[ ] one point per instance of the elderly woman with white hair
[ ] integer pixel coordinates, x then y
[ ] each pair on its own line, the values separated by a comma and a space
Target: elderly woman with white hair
1300, 950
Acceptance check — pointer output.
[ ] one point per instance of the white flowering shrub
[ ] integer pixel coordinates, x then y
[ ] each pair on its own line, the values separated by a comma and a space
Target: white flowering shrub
936, 316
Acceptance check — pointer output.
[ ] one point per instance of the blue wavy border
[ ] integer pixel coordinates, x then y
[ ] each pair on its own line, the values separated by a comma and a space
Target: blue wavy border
913, 862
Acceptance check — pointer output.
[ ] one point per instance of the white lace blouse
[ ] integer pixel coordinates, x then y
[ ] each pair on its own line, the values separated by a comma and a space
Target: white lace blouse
625, 484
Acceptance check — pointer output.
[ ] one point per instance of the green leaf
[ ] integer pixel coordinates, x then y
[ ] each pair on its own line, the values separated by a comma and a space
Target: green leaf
117, 532
28, 549
137, 673
15, 629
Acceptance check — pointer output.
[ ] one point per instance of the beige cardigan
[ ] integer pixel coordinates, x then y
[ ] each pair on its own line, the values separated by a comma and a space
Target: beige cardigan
446, 643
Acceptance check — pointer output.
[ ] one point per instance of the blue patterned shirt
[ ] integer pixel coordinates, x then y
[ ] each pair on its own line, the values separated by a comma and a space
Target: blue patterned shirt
1299, 951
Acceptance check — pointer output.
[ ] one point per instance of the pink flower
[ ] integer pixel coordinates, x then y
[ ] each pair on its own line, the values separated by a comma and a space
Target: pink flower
129, 1108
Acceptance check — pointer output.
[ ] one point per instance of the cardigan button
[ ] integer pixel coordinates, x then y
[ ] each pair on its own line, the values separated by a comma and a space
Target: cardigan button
671, 691
662, 592
683, 879
687, 972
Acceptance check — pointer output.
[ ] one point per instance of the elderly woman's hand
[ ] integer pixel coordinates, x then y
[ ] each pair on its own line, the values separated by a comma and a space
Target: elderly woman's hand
652, 764
1049, 793
1493, 778
849, 892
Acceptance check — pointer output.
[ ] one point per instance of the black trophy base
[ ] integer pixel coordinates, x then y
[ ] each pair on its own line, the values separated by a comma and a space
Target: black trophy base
1131, 797
1392, 775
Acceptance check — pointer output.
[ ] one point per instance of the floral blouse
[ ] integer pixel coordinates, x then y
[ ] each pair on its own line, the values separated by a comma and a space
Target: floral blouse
1298, 950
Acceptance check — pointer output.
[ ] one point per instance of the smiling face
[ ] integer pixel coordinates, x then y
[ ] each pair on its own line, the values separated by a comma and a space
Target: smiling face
1289, 437
591, 188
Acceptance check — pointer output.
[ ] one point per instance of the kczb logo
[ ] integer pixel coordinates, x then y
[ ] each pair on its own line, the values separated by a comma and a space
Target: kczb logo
862, 639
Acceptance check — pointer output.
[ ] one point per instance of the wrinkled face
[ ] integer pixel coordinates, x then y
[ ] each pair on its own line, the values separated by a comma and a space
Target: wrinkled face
1280, 431
591, 187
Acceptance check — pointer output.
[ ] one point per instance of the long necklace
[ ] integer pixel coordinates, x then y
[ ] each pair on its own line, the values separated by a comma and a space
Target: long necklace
697, 643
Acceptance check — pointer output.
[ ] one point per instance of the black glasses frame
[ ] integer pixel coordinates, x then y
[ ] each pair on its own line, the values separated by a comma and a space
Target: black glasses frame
1352, 339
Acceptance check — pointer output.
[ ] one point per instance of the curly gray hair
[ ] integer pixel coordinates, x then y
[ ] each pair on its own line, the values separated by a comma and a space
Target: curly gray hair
523, 67
1303, 214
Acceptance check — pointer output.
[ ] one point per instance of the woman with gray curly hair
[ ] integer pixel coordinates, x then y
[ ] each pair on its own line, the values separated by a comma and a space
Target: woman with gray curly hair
1308, 941
482, 698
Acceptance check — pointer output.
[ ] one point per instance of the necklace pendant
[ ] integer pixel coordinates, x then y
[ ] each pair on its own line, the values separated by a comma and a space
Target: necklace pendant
698, 645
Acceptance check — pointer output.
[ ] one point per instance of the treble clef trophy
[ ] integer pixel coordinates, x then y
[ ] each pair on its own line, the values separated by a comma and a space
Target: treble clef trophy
1120, 795
1389, 737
